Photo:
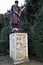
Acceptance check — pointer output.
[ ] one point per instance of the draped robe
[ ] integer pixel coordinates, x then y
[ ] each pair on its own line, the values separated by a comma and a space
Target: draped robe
14, 18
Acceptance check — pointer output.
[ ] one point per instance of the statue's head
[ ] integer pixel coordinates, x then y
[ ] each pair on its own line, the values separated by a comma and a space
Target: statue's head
16, 2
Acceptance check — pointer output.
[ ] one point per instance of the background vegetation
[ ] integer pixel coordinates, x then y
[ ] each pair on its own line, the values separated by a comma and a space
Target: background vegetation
31, 22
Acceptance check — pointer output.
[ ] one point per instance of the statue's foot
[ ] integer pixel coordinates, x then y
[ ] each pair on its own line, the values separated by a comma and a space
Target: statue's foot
15, 29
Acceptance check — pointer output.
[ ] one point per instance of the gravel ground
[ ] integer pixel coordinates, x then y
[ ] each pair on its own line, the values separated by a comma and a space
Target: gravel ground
5, 60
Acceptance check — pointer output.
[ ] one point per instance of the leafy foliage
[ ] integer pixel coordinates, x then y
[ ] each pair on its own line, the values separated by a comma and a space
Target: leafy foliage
5, 33
34, 16
31, 22
32, 9
3, 47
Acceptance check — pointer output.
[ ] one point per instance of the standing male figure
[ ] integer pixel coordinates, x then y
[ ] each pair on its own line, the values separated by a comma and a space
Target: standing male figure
15, 15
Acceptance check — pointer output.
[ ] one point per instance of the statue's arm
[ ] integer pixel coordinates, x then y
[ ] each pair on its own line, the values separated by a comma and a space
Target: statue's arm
18, 14
11, 14
15, 12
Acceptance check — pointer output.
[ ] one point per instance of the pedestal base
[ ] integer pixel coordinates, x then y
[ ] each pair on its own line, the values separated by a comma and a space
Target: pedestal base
19, 47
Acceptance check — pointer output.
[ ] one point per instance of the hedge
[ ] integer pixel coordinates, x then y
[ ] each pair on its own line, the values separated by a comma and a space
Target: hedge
3, 47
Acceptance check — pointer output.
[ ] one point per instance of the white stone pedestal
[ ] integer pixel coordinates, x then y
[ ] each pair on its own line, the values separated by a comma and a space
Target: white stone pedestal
19, 47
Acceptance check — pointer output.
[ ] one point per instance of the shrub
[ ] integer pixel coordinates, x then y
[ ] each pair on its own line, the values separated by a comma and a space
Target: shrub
5, 37
3, 46
5, 34
36, 36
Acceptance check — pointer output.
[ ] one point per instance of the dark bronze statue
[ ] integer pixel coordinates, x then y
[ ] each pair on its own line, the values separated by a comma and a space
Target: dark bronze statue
15, 16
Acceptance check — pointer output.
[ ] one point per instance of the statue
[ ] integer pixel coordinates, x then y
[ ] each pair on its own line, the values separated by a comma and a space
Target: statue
15, 16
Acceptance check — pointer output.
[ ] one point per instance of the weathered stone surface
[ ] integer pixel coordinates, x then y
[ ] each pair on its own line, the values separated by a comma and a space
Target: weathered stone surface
19, 46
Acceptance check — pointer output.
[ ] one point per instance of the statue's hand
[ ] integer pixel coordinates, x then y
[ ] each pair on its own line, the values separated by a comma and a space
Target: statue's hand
19, 15
16, 12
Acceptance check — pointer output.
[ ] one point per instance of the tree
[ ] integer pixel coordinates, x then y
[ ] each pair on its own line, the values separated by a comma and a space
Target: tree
36, 45
34, 16
32, 9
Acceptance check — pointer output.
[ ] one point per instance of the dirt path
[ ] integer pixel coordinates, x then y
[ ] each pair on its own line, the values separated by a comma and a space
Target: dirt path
4, 60
34, 62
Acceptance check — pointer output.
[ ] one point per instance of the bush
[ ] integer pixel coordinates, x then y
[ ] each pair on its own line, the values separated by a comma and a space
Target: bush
5, 37
25, 26
3, 47
5, 34
36, 39
35, 35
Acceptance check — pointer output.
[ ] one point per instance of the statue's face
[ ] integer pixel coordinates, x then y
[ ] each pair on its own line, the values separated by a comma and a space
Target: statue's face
16, 4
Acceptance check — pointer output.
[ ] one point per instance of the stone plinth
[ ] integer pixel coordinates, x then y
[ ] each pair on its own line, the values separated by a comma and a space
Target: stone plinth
19, 47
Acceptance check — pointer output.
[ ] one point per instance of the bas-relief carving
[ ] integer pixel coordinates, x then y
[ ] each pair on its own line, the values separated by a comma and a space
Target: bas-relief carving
21, 46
